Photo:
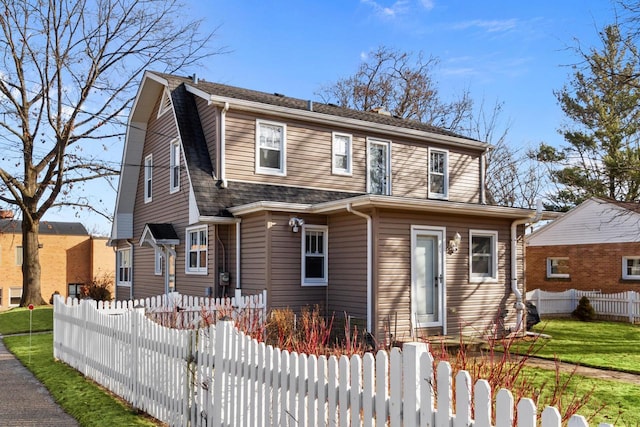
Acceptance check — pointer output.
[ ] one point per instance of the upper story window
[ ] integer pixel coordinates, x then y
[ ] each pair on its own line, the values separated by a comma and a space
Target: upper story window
631, 267
174, 167
123, 261
148, 178
379, 167
341, 163
271, 146
315, 269
438, 174
557, 267
196, 250
483, 255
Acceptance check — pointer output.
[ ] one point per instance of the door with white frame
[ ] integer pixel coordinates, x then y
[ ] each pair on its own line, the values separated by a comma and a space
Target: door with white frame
427, 277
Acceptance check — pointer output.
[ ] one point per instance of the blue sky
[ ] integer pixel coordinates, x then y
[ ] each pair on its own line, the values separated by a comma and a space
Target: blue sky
515, 52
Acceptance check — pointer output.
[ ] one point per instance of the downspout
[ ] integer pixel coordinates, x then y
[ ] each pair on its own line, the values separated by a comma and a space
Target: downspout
369, 261
223, 128
238, 255
519, 305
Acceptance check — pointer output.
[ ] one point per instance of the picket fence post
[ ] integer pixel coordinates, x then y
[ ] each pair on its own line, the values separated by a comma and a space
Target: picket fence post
137, 316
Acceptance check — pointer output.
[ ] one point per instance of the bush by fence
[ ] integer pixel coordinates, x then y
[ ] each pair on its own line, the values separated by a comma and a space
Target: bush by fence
217, 376
619, 306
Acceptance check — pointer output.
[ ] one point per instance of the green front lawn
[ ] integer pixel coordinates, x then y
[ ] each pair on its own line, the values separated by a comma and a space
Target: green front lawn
606, 345
82, 399
16, 320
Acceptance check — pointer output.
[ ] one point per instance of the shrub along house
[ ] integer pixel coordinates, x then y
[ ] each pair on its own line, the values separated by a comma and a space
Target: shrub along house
359, 212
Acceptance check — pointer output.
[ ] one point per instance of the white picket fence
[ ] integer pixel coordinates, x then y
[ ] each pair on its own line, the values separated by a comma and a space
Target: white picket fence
622, 305
217, 376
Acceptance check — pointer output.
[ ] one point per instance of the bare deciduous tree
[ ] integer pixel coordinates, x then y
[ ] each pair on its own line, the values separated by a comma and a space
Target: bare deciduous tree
70, 68
402, 84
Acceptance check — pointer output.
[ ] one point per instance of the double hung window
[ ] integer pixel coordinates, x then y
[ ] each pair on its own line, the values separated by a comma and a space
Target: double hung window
314, 255
174, 167
341, 164
483, 250
379, 167
124, 267
438, 174
148, 178
197, 250
270, 148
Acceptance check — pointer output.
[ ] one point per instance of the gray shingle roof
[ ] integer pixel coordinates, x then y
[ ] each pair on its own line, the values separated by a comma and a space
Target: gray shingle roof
11, 226
303, 104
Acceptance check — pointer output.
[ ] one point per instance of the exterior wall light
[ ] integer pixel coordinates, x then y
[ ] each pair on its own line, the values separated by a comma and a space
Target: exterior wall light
295, 223
454, 244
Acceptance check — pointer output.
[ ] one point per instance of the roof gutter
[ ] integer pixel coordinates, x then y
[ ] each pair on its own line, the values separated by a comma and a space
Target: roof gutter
519, 304
369, 262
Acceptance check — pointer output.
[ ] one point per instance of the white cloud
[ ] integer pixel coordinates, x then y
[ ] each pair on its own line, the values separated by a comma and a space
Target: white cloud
399, 7
491, 26
428, 4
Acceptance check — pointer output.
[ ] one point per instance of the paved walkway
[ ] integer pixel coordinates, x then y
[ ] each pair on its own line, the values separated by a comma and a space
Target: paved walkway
24, 401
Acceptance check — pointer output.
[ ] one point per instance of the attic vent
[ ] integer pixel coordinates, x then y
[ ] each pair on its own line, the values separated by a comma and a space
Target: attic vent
165, 103
280, 95
380, 110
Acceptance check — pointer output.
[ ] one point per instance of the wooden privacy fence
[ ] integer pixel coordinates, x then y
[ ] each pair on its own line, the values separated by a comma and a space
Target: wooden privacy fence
217, 376
622, 305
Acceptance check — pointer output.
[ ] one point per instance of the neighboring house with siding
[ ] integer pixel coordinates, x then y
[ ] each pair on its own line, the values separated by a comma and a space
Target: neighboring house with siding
69, 259
594, 246
360, 212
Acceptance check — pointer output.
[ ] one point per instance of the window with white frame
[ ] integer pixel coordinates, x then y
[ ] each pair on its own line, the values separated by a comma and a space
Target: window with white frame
558, 268
123, 262
631, 267
15, 295
483, 255
271, 148
158, 264
379, 167
196, 250
74, 290
315, 269
341, 163
148, 178
438, 174
174, 167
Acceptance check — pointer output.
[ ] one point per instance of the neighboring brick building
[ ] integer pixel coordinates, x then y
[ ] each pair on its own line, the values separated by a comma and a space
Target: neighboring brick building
595, 246
69, 258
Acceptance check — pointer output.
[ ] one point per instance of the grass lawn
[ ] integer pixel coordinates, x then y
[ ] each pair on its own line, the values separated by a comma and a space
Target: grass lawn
16, 320
606, 345
82, 399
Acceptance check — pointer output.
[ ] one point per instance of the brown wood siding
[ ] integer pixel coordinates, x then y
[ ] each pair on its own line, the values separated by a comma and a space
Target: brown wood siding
253, 253
165, 207
348, 266
471, 307
209, 120
308, 160
286, 288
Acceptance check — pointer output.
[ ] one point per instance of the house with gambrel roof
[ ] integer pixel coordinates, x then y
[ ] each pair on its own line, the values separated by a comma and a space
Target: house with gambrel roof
359, 212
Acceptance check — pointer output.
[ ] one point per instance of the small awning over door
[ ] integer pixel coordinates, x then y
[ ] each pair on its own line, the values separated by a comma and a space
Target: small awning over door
159, 235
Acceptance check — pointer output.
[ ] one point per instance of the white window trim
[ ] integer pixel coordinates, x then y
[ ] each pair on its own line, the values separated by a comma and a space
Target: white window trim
376, 141
551, 275
626, 276
165, 103
148, 178
158, 257
174, 162
11, 295
308, 281
197, 270
119, 283
283, 150
334, 169
474, 278
433, 195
